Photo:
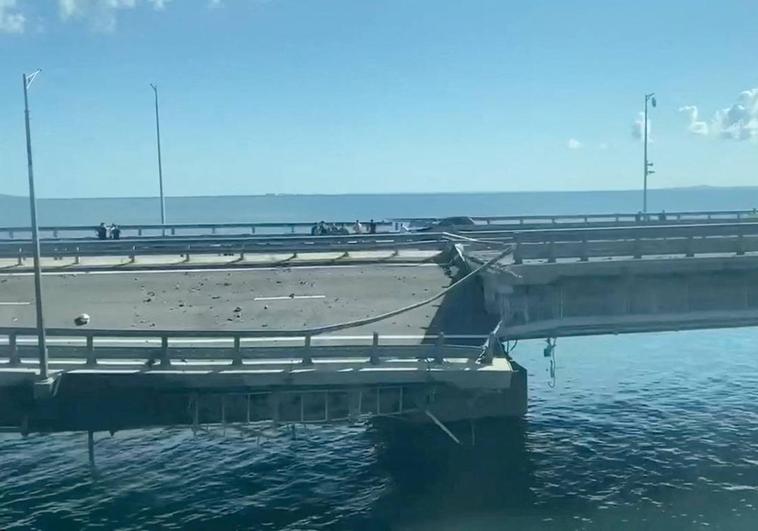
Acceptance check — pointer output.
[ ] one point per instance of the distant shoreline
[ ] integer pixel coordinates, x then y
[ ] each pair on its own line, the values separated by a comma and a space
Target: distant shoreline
385, 194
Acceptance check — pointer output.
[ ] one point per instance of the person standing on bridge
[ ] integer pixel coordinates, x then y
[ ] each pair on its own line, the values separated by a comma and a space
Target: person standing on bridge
372, 227
358, 228
115, 232
102, 232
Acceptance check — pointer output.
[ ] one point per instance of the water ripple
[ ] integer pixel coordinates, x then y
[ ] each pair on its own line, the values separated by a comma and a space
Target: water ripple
654, 431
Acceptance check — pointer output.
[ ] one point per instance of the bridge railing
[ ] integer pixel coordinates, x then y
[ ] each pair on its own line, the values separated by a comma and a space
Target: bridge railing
686, 240
179, 229
274, 228
603, 219
160, 347
226, 245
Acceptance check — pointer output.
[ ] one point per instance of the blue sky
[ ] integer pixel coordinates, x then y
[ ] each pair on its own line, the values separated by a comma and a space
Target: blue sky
338, 96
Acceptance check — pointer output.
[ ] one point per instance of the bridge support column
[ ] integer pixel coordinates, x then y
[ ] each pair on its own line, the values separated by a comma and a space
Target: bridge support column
14, 359
91, 448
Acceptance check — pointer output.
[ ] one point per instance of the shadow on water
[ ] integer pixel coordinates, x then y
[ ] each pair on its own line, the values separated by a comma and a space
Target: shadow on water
434, 478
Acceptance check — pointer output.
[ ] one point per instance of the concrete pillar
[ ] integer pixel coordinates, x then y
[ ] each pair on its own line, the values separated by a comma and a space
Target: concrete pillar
374, 360
13, 350
91, 358
307, 360
165, 360
237, 361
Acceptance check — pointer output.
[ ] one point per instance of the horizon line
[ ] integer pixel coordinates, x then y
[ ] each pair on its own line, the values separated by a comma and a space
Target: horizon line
345, 194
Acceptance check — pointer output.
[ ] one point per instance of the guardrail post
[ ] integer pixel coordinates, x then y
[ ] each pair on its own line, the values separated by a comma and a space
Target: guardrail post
374, 359
584, 252
439, 348
637, 248
173, 231
76, 257
132, 256
516, 249
242, 253
165, 360
551, 251
237, 361
740, 245
187, 254
252, 229
690, 248
13, 358
213, 230
91, 358
55, 233
20, 256
139, 231
307, 360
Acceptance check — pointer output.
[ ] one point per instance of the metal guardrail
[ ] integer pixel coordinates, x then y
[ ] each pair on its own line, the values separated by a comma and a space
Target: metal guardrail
606, 218
687, 240
179, 229
273, 228
225, 245
229, 347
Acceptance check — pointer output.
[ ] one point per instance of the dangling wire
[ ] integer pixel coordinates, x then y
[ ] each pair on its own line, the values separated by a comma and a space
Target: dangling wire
510, 345
549, 352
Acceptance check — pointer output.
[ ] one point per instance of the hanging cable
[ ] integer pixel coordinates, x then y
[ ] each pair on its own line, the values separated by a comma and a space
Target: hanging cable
549, 352
369, 320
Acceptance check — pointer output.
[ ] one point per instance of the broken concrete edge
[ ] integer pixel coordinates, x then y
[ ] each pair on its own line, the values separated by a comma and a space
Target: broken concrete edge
44, 389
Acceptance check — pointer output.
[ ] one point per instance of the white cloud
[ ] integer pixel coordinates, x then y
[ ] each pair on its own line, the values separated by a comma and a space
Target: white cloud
696, 127
102, 13
736, 122
639, 125
11, 20
214, 3
573, 143
740, 121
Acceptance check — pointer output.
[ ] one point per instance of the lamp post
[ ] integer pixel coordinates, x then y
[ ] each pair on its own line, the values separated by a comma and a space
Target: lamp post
160, 164
41, 339
647, 166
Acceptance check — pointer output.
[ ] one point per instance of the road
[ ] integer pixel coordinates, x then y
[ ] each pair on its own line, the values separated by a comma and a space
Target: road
247, 299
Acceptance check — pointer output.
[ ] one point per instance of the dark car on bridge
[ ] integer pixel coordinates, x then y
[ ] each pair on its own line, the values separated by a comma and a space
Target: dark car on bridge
446, 224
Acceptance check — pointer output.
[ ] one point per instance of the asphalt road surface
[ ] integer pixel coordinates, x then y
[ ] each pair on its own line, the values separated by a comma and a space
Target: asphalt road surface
250, 299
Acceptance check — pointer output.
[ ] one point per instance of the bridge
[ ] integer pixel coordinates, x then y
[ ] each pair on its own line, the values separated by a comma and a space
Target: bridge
423, 337
617, 280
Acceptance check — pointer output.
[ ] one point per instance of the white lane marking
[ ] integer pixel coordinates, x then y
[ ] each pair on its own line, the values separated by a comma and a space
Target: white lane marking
14, 303
286, 297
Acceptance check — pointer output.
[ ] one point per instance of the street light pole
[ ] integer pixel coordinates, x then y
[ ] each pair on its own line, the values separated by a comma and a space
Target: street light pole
160, 162
646, 165
41, 338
